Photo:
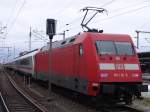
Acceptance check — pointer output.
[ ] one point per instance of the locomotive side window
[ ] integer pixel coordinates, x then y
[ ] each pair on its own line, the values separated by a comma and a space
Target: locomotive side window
81, 50
72, 40
124, 48
63, 42
105, 47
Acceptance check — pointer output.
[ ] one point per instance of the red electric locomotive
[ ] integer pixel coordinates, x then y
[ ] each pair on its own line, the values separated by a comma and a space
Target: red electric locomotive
94, 64
90, 63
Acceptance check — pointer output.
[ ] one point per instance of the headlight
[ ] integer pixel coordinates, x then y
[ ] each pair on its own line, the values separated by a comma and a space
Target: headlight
135, 75
95, 84
104, 75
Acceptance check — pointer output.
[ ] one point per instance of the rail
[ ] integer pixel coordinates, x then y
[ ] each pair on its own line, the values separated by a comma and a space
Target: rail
3, 104
14, 98
26, 97
119, 108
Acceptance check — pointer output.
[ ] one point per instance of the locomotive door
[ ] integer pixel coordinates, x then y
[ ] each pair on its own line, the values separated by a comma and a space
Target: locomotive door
79, 65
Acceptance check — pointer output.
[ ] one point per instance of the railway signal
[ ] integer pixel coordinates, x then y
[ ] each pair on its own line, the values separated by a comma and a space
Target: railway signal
50, 31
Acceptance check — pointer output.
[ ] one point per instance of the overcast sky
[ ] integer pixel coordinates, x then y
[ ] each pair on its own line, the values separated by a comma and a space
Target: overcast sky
124, 17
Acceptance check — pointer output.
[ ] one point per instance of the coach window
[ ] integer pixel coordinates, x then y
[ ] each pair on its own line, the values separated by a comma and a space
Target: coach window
81, 50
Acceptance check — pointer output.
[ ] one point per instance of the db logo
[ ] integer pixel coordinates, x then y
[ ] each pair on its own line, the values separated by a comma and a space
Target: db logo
119, 66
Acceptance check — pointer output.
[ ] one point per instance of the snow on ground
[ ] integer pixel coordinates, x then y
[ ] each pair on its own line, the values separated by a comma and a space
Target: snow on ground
144, 104
147, 94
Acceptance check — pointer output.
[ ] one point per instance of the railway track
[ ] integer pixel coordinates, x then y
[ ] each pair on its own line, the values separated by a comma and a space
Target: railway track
99, 106
109, 107
117, 108
74, 105
14, 99
3, 107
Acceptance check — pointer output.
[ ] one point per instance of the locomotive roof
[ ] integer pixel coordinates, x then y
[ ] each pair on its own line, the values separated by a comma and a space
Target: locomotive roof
78, 39
81, 37
60, 43
105, 36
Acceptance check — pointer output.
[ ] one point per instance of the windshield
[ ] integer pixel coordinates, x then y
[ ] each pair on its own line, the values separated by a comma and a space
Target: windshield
105, 47
114, 48
124, 48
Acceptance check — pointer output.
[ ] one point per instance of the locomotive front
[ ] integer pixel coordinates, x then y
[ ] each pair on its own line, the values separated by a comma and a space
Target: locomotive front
119, 71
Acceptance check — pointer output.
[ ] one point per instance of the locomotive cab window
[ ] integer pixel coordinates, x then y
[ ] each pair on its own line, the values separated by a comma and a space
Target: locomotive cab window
81, 50
105, 47
124, 48
114, 48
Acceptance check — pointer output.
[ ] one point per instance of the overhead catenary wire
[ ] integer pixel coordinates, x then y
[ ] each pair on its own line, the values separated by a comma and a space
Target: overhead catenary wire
131, 5
37, 33
107, 3
9, 17
37, 36
11, 13
120, 14
147, 39
78, 18
61, 11
15, 19
126, 12
144, 24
